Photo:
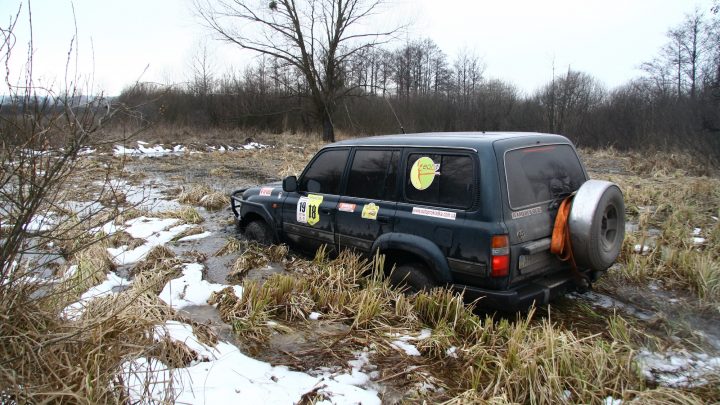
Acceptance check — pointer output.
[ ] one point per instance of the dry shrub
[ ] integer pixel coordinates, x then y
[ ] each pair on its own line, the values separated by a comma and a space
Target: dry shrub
660, 163
159, 257
214, 201
130, 213
187, 215
194, 194
231, 246
204, 196
220, 172
48, 359
255, 256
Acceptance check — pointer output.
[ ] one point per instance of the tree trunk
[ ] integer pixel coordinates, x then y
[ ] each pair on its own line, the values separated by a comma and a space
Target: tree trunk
328, 128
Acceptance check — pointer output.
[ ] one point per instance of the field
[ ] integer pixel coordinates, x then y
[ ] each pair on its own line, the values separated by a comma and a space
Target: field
168, 303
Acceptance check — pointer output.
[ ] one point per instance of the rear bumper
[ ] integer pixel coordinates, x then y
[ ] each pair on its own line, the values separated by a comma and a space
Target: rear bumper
539, 292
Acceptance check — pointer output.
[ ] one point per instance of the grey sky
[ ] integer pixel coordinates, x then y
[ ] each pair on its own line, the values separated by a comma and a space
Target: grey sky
519, 40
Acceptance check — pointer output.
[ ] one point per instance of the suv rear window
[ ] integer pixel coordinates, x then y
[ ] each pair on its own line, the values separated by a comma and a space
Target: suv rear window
540, 174
440, 179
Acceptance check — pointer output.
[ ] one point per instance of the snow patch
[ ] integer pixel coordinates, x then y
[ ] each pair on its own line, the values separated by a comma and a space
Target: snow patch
195, 237
678, 369
107, 287
190, 289
230, 376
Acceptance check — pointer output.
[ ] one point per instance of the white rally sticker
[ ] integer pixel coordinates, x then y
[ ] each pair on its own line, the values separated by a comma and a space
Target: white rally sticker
434, 213
301, 213
526, 213
266, 191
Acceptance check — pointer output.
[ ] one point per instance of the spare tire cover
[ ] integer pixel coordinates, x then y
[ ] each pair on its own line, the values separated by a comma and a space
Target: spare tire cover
597, 224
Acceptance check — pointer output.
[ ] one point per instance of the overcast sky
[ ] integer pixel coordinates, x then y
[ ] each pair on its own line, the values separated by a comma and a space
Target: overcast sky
519, 40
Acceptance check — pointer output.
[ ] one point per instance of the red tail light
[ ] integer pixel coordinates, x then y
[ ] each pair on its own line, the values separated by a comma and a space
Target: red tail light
500, 263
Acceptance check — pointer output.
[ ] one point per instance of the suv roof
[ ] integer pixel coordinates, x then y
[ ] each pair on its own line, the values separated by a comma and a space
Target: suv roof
446, 139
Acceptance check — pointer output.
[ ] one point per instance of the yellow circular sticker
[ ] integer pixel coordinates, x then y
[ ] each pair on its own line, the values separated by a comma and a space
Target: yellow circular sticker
422, 173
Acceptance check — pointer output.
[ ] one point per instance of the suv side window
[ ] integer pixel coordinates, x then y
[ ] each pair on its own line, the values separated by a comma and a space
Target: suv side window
325, 172
440, 179
373, 174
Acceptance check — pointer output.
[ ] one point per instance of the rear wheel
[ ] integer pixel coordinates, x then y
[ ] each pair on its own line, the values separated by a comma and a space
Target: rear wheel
259, 231
413, 277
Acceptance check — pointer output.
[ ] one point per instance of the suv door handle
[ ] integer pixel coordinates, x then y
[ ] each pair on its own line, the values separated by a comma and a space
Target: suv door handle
383, 219
325, 211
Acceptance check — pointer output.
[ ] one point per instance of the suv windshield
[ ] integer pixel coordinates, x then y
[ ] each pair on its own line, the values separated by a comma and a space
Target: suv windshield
541, 174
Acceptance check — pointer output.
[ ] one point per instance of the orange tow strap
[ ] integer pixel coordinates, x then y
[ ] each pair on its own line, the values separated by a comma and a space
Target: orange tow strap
560, 244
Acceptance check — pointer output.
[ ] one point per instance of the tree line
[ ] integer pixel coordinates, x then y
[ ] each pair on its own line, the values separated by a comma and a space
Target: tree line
416, 87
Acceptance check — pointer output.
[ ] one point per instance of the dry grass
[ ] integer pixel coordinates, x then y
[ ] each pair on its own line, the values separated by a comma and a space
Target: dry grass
232, 245
49, 359
668, 196
205, 197
254, 256
187, 215
473, 359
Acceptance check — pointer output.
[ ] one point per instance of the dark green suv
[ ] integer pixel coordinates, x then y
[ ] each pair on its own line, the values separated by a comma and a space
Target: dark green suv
473, 211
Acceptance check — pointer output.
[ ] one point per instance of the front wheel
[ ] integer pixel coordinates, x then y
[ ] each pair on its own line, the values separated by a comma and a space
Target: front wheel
412, 277
259, 231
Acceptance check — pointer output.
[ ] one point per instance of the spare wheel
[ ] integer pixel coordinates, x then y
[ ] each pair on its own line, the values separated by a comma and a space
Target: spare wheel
597, 224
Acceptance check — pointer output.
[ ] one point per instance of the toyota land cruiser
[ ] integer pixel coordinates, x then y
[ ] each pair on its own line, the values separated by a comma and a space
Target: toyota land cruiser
473, 211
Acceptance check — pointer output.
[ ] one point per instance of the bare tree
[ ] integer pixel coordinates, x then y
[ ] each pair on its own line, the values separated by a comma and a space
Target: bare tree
317, 37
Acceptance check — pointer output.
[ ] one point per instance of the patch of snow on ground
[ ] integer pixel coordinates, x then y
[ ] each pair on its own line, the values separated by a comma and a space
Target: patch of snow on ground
113, 281
229, 377
612, 401
314, 316
402, 341
141, 150
408, 348
642, 249
183, 333
145, 197
154, 233
195, 237
678, 369
254, 145
190, 289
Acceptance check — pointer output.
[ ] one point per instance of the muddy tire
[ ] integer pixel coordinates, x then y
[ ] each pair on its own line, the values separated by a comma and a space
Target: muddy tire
258, 230
413, 277
597, 224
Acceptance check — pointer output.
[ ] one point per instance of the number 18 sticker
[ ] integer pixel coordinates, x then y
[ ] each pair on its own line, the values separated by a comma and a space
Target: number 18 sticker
308, 209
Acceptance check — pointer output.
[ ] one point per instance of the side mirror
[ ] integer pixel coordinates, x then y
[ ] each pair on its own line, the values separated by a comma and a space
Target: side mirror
290, 184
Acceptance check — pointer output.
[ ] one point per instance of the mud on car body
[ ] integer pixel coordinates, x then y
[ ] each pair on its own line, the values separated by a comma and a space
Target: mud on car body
473, 211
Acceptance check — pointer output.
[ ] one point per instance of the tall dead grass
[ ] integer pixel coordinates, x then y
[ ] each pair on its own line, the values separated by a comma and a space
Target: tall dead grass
484, 360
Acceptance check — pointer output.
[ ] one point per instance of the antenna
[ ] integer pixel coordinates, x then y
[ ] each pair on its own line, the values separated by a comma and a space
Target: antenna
396, 117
